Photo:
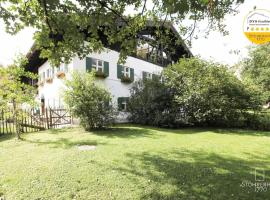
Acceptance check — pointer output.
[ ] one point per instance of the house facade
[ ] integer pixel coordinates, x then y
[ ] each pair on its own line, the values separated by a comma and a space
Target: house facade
117, 79
148, 61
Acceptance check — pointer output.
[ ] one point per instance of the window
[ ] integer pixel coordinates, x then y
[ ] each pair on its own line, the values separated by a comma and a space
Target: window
122, 103
66, 68
43, 76
149, 75
48, 73
98, 65
126, 71
52, 71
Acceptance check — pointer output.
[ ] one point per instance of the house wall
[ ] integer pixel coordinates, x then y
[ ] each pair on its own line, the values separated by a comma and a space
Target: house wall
52, 92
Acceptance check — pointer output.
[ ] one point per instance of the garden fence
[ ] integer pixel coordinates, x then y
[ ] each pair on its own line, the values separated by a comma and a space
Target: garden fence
32, 121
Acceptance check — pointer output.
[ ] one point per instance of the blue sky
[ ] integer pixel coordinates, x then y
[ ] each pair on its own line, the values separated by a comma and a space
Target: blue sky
215, 46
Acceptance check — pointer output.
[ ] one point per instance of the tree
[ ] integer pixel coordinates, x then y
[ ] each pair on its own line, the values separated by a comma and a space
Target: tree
209, 94
62, 27
152, 103
194, 92
14, 92
88, 101
256, 70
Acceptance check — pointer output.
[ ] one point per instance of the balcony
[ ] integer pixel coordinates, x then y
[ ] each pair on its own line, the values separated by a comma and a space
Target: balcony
152, 57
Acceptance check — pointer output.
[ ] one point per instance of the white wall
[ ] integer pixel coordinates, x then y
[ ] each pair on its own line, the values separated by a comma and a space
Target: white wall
112, 83
52, 91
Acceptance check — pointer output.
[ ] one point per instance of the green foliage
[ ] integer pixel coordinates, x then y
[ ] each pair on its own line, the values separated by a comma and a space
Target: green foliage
256, 68
194, 92
88, 101
14, 92
151, 103
258, 121
135, 163
62, 27
209, 94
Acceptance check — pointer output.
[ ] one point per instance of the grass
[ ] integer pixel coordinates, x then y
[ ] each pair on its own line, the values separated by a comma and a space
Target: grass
134, 162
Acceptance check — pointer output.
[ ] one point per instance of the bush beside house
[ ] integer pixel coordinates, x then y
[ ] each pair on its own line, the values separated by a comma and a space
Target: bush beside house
195, 93
88, 101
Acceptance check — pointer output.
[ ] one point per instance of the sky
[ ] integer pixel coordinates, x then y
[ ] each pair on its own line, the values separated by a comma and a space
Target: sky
215, 47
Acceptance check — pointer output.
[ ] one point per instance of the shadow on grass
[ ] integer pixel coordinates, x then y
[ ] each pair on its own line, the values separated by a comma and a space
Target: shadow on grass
4, 137
195, 175
59, 130
64, 143
196, 130
242, 132
127, 131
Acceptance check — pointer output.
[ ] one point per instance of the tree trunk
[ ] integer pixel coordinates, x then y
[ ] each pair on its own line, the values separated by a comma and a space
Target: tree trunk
16, 121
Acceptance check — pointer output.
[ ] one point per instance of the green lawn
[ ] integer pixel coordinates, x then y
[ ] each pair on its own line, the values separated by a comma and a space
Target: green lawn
133, 162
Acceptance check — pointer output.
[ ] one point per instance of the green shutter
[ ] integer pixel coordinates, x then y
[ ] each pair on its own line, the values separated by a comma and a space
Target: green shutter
107, 104
119, 71
144, 75
88, 64
155, 77
127, 100
106, 68
132, 74
120, 101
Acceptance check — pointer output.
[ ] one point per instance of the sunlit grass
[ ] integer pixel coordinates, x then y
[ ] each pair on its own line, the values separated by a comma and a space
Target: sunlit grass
134, 162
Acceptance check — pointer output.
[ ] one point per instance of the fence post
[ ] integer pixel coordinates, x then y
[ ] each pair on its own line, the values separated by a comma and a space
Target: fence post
47, 118
51, 118
2, 119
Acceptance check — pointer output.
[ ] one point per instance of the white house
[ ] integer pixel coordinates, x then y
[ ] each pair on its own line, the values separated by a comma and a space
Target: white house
115, 78
148, 62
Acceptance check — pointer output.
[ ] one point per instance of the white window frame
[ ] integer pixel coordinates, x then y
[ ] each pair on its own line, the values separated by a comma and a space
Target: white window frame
125, 106
96, 66
52, 72
66, 68
48, 72
149, 75
125, 72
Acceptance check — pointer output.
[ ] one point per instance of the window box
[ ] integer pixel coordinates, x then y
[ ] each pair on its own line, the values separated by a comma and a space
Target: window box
41, 83
61, 74
126, 79
49, 80
100, 67
125, 74
100, 74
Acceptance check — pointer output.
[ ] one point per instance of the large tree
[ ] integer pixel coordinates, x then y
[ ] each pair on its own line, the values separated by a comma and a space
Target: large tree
256, 68
62, 27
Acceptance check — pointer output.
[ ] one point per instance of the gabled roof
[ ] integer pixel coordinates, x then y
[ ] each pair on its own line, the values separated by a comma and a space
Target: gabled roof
180, 50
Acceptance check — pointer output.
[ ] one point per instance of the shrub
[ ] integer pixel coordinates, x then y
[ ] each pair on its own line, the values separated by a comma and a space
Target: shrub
151, 102
209, 94
258, 121
194, 93
88, 101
